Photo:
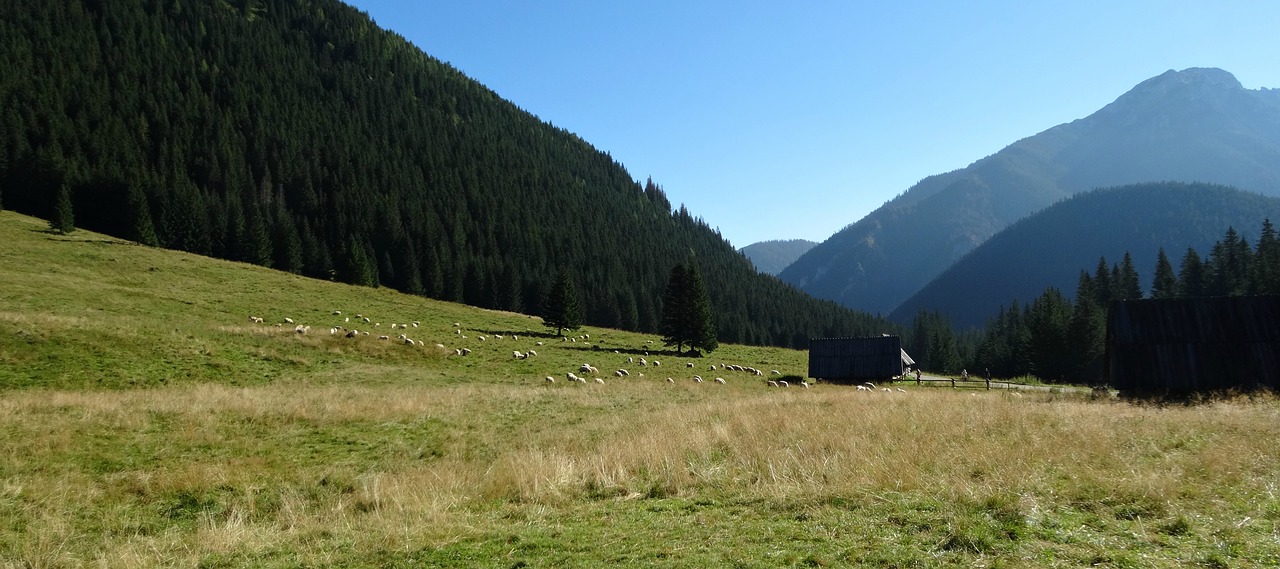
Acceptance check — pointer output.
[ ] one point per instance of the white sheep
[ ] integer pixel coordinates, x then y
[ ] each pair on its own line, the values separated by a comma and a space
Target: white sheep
384, 337
631, 360
689, 365
901, 390
255, 320
337, 313
466, 351
863, 388
353, 333
720, 380
773, 383
411, 342
288, 321
697, 378
804, 384
533, 353
551, 379
775, 372
518, 355
571, 376
301, 329
669, 380
600, 381
656, 363
783, 384
644, 362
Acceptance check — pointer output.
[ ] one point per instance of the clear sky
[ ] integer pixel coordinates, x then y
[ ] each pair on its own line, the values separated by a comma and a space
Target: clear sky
784, 120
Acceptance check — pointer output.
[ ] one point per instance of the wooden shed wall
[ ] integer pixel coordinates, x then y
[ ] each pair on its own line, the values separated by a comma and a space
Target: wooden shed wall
848, 359
1194, 345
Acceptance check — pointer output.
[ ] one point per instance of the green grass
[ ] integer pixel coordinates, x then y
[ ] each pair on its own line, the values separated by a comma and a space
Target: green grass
147, 422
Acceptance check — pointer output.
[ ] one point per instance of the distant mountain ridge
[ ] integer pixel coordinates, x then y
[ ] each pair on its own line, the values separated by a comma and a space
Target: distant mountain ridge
771, 257
1195, 125
1051, 247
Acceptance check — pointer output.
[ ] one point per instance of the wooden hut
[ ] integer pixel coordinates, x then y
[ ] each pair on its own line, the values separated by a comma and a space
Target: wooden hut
856, 359
1193, 345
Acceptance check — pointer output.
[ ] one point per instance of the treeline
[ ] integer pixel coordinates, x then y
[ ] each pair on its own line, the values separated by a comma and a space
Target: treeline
1056, 339
296, 134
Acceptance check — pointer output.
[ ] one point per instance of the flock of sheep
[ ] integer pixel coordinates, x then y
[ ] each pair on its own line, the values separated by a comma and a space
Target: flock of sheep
583, 374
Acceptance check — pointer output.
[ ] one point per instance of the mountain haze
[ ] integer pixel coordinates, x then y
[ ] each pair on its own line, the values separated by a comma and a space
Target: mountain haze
296, 134
771, 257
1051, 247
1195, 125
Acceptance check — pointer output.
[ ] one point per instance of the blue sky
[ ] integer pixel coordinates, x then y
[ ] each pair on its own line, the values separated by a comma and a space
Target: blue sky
783, 120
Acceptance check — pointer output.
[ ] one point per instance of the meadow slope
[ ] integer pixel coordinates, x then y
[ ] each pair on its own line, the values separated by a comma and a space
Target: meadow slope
147, 421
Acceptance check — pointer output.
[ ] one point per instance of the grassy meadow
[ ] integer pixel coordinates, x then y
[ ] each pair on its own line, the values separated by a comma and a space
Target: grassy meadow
145, 421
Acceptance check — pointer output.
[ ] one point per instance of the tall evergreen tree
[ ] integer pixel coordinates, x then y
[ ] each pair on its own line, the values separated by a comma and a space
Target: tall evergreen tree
704, 321
63, 219
560, 308
1266, 261
1165, 283
1102, 285
1191, 277
1127, 286
687, 317
675, 323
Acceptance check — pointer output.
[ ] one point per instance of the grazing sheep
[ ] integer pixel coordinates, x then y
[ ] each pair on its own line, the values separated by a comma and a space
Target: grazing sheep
713, 367
337, 313
533, 353
457, 324
689, 365
457, 351
618, 373
775, 372
288, 321
656, 363
772, 383
410, 342
669, 380
600, 381
624, 372
551, 379
588, 368
863, 388
416, 323
539, 343
804, 384
333, 331
720, 380
901, 390
366, 319
782, 383
466, 351
353, 333
571, 376
458, 332
517, 355
384, 337
482, 338
886, 390
301, 329
631, 360
255, 320
697, 378
439, 346
870, 386
515, 337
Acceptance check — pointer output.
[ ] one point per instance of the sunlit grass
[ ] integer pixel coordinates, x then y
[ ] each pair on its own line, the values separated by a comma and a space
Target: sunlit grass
147, 422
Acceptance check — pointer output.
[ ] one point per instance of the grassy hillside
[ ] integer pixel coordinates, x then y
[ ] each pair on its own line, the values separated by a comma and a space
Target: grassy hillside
147, 422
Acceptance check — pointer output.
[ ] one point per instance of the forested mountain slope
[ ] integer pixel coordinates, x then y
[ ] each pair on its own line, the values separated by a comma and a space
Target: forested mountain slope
1196, 125
297, 134
770, 257
1051, 247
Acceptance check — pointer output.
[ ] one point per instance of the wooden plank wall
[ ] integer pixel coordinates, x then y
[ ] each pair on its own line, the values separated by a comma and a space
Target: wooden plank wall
850, 359
1194, 345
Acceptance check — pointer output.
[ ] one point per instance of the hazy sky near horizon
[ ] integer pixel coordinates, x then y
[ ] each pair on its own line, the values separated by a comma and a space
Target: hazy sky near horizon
784, 120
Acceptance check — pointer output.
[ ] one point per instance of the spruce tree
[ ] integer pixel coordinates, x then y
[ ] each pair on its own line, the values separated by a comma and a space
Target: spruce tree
1266, 262
63, 219
674, 326
1191, 277
703, 317
142, 229
1127, 286
1165, 282
560, 308
687, 317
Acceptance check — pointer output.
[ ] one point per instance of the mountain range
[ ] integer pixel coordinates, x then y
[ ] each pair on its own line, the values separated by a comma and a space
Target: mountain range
770, 257
1194, 125
1052, 246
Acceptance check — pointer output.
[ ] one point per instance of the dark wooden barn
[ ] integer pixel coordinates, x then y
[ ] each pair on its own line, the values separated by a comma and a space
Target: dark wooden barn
1194, 345
856, 359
